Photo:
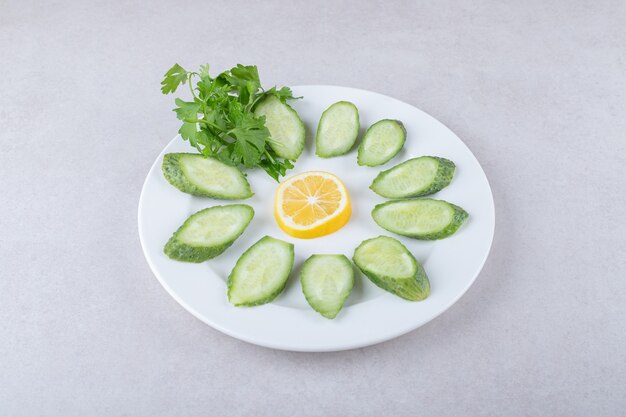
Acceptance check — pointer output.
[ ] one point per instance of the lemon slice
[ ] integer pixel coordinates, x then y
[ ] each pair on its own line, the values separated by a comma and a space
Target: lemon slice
312, 204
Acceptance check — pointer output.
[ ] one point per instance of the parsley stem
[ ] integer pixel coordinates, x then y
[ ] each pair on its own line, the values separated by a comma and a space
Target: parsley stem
250, 106
191, 85
202, 121
269, 156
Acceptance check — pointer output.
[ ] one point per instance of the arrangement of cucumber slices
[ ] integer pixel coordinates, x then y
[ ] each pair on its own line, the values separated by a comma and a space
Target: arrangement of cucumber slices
262, 271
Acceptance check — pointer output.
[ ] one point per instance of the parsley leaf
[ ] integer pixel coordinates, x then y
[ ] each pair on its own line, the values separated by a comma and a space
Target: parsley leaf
174, 77
187, 110
250, 134
283, 94
189, 131
246, 80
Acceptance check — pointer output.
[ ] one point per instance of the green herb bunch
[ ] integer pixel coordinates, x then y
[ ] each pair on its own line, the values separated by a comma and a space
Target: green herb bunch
220, 121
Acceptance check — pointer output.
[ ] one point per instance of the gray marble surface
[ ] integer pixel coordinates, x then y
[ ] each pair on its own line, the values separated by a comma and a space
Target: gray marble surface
536, 89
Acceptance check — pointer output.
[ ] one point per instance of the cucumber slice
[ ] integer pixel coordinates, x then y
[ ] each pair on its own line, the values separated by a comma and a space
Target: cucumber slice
327, 281
337, 130
285, 126
261, 273
205, 177
390, 265
208, 233
420, 218
382, 141
416, 177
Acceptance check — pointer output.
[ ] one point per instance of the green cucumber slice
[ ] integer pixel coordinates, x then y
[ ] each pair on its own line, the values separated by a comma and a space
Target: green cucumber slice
390, 265
208, 233
420, 218
382, 141
205, 177
285, 126
261, 273
327, 281
416, 177
337, 130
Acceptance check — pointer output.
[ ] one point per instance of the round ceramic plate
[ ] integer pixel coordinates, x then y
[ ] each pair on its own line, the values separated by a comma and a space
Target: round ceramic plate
370, 314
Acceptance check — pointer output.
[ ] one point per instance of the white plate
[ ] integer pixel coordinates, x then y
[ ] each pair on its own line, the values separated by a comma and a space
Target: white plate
370, 315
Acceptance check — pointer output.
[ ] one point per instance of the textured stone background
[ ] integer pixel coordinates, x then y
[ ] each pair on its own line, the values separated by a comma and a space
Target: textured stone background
536, 89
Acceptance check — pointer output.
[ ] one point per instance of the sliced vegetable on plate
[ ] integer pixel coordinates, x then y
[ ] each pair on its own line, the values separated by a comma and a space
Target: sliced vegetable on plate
337, 130
327, 281
416, 177
420, 218
208, 233
390, 265
261, 273
287, 134
205, 177
381, 142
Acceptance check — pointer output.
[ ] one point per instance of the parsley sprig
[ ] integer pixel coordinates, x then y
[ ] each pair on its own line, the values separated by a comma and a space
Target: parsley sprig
220, 122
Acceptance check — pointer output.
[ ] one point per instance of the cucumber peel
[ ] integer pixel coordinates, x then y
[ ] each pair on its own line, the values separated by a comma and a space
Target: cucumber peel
327, 281
381, 142
416, 177
261, 272
208, 233
390, 265
420, 218
205, 177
